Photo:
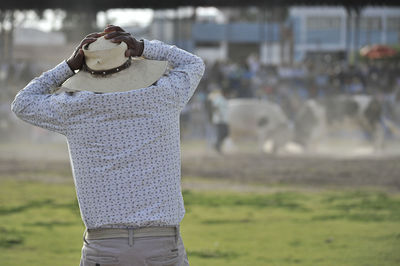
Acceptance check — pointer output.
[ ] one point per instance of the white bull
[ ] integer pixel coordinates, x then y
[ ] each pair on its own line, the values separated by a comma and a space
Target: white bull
258, 119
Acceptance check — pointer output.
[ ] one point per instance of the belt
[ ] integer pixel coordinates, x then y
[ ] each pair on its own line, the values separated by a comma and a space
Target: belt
131, 233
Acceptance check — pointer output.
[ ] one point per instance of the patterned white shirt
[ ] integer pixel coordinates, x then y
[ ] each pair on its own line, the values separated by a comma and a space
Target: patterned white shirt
124, 147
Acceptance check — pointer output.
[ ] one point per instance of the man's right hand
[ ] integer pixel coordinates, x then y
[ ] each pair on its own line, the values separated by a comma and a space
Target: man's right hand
76, 60
117, 34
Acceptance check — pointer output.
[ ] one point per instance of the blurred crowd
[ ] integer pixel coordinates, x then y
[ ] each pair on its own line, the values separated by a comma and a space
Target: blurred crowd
252, 79
291, 86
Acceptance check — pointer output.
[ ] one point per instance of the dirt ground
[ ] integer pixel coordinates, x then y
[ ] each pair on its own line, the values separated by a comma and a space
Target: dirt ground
297, 170
49, 162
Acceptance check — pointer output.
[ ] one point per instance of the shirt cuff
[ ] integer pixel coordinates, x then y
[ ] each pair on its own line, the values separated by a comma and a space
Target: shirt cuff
152, 49
62, 72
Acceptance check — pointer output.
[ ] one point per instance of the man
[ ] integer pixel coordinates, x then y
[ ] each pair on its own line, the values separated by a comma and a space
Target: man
219, 116
123, 140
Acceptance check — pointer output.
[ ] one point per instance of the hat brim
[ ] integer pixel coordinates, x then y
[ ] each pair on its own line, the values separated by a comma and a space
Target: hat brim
141, 74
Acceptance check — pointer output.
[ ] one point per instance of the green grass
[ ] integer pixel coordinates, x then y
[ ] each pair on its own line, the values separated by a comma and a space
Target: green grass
40, 225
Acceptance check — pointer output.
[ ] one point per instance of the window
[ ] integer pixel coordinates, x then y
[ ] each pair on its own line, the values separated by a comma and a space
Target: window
393, 23
371, 23
322, 23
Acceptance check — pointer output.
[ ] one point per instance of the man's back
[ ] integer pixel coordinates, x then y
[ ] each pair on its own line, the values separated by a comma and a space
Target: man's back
125, 152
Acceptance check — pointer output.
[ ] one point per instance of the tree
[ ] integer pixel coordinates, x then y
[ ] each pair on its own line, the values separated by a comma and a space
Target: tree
79, 23
7, 25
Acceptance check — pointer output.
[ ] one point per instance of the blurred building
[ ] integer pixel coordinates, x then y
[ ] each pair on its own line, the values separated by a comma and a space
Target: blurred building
303, 32
218, 35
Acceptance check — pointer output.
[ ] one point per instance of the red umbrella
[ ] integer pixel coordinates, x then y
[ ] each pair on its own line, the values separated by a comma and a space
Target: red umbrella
377, 51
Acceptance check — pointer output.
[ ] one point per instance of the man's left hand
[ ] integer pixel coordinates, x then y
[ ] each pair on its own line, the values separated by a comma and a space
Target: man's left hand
75, 61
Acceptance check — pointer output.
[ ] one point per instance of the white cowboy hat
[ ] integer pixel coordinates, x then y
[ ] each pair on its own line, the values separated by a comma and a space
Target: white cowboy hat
108, 70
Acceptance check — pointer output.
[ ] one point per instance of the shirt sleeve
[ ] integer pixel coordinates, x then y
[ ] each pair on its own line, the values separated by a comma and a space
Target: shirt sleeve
186, 73
36, 105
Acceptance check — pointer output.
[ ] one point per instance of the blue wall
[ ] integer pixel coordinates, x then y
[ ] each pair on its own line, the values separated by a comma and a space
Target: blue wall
208, 32
371, 37
257, 32
392, 37
235, 32
320, 37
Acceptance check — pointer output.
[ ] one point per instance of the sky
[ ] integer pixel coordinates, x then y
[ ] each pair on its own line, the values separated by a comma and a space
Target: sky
52, 19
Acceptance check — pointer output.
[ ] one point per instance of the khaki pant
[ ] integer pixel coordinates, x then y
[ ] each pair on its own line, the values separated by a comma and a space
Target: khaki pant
134, 247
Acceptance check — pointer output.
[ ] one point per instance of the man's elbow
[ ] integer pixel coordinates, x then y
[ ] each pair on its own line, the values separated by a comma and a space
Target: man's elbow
201, 65
16, 106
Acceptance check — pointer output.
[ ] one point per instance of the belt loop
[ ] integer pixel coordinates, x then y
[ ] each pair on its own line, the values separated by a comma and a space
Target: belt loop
130, 238
176, 234
84, 236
